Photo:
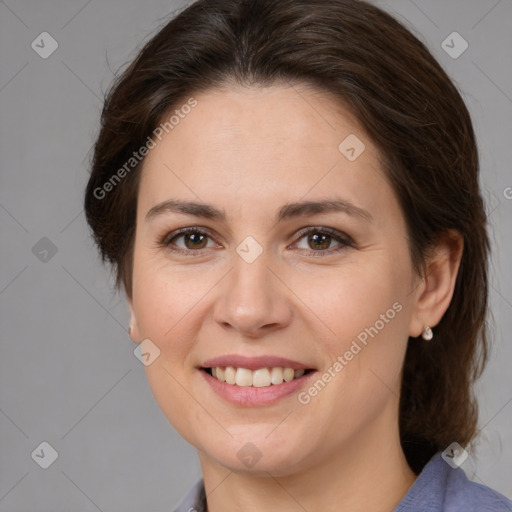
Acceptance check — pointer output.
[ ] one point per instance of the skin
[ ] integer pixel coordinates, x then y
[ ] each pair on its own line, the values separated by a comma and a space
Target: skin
248, 152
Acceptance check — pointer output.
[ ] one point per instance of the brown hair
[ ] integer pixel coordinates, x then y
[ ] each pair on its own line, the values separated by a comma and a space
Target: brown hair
407, 105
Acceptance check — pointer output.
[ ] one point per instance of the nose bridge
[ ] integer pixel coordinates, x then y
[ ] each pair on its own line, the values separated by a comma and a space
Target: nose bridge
252, 300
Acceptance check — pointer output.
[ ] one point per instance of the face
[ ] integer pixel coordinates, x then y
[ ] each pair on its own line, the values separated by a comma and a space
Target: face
294, 255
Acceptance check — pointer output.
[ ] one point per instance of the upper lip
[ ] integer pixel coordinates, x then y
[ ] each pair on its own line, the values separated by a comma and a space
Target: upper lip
254, 363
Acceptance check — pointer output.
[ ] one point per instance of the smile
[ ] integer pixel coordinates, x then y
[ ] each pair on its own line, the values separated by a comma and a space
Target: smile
259, 378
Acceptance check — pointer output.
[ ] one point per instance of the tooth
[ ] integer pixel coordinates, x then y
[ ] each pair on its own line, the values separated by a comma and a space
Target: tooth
261, 378
276, 375
243, 377
219, 372
229, 374
288, 374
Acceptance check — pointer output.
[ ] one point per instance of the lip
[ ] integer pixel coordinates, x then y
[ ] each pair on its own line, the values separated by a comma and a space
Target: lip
248, 396
254, 363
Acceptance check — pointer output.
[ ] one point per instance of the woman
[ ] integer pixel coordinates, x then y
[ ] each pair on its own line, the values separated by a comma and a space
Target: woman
289, 194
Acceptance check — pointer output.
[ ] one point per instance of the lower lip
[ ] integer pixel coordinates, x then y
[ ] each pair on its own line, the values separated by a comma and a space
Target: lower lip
249, 396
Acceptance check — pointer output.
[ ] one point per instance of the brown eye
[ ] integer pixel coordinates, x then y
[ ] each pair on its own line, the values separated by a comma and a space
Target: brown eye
319, 241
195, 240
188, 240
322, 241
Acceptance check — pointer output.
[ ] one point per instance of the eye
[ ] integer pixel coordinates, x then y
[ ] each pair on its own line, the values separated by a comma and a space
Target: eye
316, 241
319, 241
188, 240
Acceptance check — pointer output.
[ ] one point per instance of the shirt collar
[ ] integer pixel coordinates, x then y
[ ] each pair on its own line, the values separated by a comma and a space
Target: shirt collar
426, 494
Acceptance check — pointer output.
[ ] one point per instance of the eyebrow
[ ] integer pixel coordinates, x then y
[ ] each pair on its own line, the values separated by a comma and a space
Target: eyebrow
286, 212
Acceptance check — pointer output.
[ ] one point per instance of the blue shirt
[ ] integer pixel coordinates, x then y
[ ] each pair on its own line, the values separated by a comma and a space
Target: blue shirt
438, 488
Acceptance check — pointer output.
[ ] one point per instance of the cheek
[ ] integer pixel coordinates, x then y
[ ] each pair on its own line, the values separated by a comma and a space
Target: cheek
361, 315
164, 304
346, 300
363, 318
170, 306
164, 296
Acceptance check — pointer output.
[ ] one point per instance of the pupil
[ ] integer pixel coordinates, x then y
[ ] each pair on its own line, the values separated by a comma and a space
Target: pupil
195, 239
321, 241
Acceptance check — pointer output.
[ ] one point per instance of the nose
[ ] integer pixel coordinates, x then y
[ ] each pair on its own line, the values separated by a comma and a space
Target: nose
252, 300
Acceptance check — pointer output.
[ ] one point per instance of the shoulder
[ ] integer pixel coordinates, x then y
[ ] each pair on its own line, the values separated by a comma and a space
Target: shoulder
438, 488
441, 488
194, 500
464, 494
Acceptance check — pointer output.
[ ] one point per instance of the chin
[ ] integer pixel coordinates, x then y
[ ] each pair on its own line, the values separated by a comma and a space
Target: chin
257, 455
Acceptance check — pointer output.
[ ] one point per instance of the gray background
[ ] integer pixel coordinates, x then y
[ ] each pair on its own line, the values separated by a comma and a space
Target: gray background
68, 375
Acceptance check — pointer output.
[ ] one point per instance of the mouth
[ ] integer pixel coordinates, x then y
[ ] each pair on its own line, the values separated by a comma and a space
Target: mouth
258, 378
258, 381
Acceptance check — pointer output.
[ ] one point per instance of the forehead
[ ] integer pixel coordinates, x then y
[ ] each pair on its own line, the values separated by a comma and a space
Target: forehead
254, 144
266, 118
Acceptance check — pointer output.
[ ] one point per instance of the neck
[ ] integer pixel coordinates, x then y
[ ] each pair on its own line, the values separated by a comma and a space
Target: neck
367, 473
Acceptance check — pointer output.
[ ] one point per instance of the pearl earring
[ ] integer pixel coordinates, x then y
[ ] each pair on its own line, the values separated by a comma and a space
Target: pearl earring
427, 334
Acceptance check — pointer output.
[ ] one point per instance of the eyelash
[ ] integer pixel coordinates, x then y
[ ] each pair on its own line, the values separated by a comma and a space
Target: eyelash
343, 240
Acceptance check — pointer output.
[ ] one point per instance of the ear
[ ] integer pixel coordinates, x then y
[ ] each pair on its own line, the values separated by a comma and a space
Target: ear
435, 291
134, 328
